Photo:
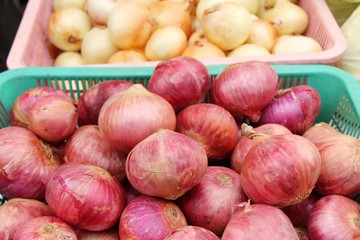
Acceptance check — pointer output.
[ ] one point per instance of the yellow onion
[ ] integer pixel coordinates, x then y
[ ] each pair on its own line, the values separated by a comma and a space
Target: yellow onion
131, 55
59, 4
67, 27
69, 59
129, 25
286, 44
195, 36
262, 34
248, 50
166, 43
227, 25
203, 49
99, 11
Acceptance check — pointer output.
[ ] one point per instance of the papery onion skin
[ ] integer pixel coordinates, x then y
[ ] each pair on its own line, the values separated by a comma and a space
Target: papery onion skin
280, 170
340, 158
244, 89
150, 218
166, 164
128, 118
53, 118
244, 143
296, 108
93, 99
212, 202
259, 221
181, 81
24, 102
334, 217
212, 126
299, 213
45, 228
109, 234
87, 145
17, 211
192, 233
85, 196
25, 164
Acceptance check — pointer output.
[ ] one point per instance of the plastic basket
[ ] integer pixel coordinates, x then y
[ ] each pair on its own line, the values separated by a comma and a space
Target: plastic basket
31, 46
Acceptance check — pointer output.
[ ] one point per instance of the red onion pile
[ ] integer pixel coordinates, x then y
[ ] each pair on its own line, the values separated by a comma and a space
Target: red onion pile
185, 155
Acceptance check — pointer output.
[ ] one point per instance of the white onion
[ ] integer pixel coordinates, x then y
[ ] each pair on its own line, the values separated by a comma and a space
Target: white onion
97, 46
227, 25
263, 34
295, 44
62, 30
166, 43
59, 4
129, 25
131, 55
99, 11
203, 49
69, 59
248, 49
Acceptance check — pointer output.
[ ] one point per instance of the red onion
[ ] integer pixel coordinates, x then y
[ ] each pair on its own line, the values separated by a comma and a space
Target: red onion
15, 212
319, 131
45, 228
166, 164
109, 234
88, 145
210, 125
53, 118
280, 170
340, 159
244, 89
86, 196
302, 233
259, 221
150, 218
24, 102
212, 202
296, 108
244, 143
181, 81
298, 213
128, 118
25, 163
92, 100
192, 233
334, 217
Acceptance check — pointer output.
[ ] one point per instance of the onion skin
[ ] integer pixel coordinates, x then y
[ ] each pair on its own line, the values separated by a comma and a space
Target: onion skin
181, 81
53, 118
94, 98
280, 170
299, 213
134, 107
150, 218
45, 228
25, 164
296, 108
192, 233
237, 85
302, 233
15, 212
340, 158
334, 217
213, 127
87, 145
23, 103
259, 221
212, 202
166, 164
85, 196
244, 143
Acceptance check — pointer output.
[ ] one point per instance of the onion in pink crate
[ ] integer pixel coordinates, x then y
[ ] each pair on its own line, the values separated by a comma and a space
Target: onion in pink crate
296, 108
166, 164
181, 81
192, 233
15, 212
88, 145
26, 163
45, 228
212, 126
259, 221
94, 98
211, 203
150, 218
85, 196
244, 89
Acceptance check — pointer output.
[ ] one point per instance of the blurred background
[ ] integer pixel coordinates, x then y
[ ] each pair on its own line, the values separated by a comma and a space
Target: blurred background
11, 12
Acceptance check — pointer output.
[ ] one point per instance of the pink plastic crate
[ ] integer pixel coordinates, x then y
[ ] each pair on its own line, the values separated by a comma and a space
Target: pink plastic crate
31, 46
